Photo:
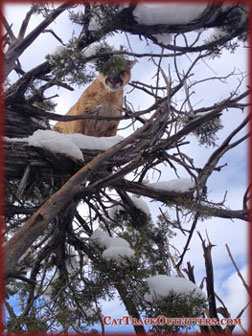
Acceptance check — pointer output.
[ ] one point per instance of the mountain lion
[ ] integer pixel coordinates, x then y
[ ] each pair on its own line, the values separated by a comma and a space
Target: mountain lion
103, 97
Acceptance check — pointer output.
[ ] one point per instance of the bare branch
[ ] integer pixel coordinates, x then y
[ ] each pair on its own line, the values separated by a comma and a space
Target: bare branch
20, 46
8, 28
219, 152
25, 23
237, 270
185, 249
54, 34
210, 280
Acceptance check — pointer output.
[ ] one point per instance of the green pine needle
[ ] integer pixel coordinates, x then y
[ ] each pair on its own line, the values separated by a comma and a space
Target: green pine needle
114, 65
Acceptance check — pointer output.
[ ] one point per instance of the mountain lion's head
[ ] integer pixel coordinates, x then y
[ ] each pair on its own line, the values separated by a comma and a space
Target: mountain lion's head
115, 73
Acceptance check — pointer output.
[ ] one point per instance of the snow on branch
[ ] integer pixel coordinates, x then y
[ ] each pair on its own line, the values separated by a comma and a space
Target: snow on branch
117, 249
153, 14
181, 185
67, 144
160, 286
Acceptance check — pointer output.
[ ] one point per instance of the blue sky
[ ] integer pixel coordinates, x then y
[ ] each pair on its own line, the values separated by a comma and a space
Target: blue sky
232, 178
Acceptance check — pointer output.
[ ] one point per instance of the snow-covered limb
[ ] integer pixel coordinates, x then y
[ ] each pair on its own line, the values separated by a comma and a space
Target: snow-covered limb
13, 148
186, 200
161, 286
181, 185
167, 13
67, 144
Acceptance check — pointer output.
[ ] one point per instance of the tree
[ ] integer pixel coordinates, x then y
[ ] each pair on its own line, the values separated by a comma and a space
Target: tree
57, 264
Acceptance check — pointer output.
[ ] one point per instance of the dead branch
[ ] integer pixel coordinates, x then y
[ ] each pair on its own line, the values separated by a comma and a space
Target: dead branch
25, 23
54, 34
237, 270
210, 280
8, 29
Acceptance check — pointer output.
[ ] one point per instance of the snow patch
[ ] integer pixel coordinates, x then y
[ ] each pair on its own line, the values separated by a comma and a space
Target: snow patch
141, 205
116, 249
117, 242
180, 185
72, 261
93, 49
138, 202
118, 254
216, 34
90, 142
58, 50
164, 38
160, 286
151, 14
105, 241
13, 140
49, 289
54, 142
67, 144
100, 237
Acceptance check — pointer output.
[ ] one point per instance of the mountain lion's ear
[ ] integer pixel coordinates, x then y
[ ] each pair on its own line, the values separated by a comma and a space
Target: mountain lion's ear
131, 64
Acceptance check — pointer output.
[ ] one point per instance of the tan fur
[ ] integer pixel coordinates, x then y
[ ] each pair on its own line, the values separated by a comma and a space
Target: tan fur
100, 98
